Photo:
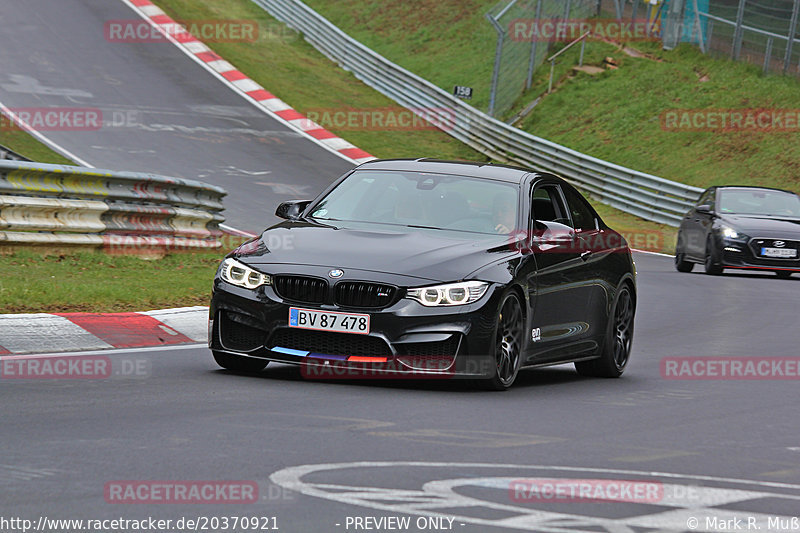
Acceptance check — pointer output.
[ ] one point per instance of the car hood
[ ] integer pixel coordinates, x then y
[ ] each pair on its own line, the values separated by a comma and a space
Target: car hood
432, 255
763, 226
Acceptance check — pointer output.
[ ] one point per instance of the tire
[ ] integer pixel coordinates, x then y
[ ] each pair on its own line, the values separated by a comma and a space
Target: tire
509, 338
711, 263
238, 363
616, 351
783, 274
681, 264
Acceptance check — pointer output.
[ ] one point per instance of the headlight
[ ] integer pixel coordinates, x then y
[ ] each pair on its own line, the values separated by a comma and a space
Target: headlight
462, 293
241, 275
730, 233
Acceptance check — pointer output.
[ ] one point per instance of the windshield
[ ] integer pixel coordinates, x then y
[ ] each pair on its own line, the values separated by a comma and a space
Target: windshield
423, 200
759, 202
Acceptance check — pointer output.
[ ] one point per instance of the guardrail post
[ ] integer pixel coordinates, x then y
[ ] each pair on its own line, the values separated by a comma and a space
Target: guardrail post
738, 34
532, 61
792, 32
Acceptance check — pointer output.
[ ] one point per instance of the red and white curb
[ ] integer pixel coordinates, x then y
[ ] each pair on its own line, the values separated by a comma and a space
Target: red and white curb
71, 332
245, 86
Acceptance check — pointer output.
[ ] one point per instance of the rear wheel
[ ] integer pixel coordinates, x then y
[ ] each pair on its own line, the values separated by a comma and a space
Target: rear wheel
619, 340
783, 274
239, 363
712, 265
508, 343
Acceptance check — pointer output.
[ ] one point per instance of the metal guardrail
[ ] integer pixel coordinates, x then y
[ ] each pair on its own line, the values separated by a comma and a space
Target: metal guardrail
54, 204
644, 195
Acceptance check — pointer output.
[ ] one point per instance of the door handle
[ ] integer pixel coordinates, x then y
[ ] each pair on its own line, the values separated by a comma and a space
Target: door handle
585, 255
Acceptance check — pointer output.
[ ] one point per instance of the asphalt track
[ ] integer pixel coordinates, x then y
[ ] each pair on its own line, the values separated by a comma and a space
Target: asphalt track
179, 417
162, 112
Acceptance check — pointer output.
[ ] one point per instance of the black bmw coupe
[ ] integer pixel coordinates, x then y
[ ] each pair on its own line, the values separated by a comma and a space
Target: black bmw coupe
751, 228
430, 268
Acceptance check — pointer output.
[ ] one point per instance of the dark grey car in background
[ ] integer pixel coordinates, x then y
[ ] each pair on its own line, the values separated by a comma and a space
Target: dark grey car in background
754, 228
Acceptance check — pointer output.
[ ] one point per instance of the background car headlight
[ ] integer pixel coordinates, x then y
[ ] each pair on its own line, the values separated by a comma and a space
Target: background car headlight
462, 293
241, 275
730, 233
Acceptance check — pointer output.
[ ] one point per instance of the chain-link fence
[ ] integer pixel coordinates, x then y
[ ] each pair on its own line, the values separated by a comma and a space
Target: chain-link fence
523, 42
762, 32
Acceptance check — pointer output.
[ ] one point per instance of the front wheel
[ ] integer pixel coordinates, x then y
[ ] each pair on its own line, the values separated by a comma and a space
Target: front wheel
711, 264
681, 264
619, 340
239, 363
508, 343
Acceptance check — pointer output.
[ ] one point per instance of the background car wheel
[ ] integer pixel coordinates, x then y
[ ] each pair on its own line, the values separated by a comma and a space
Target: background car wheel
681, 264
712, 265
238, 363
619, 340
508, 344
783, 274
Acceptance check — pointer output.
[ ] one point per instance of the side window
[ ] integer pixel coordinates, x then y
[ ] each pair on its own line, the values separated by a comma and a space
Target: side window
546, 205
583, 219
704, 198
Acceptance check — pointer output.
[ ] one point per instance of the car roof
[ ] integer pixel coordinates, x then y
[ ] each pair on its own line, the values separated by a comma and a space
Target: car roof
460, 168
752, 188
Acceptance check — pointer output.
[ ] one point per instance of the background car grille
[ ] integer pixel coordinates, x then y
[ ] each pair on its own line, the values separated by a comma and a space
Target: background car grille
301, 289
330, 343
360, 294
239, 337
757, 244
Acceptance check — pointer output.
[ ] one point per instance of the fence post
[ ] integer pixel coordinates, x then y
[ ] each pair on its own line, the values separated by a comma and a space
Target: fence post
709, 32
498, 56
619, 5
767, 55
532, 62
738, 33
792, 32
635, 10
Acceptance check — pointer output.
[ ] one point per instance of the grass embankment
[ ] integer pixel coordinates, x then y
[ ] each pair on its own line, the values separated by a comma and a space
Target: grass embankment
100, 283
20, 142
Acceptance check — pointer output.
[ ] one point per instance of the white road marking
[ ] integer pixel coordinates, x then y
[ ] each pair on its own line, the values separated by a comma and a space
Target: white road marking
110, 351
439, 498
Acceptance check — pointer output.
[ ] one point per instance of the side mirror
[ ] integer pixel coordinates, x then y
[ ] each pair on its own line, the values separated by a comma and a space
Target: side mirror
553, 233
704, 209
291, 210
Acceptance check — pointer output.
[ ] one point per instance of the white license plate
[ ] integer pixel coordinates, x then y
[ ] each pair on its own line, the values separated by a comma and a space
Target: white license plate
779, 252
328, 321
